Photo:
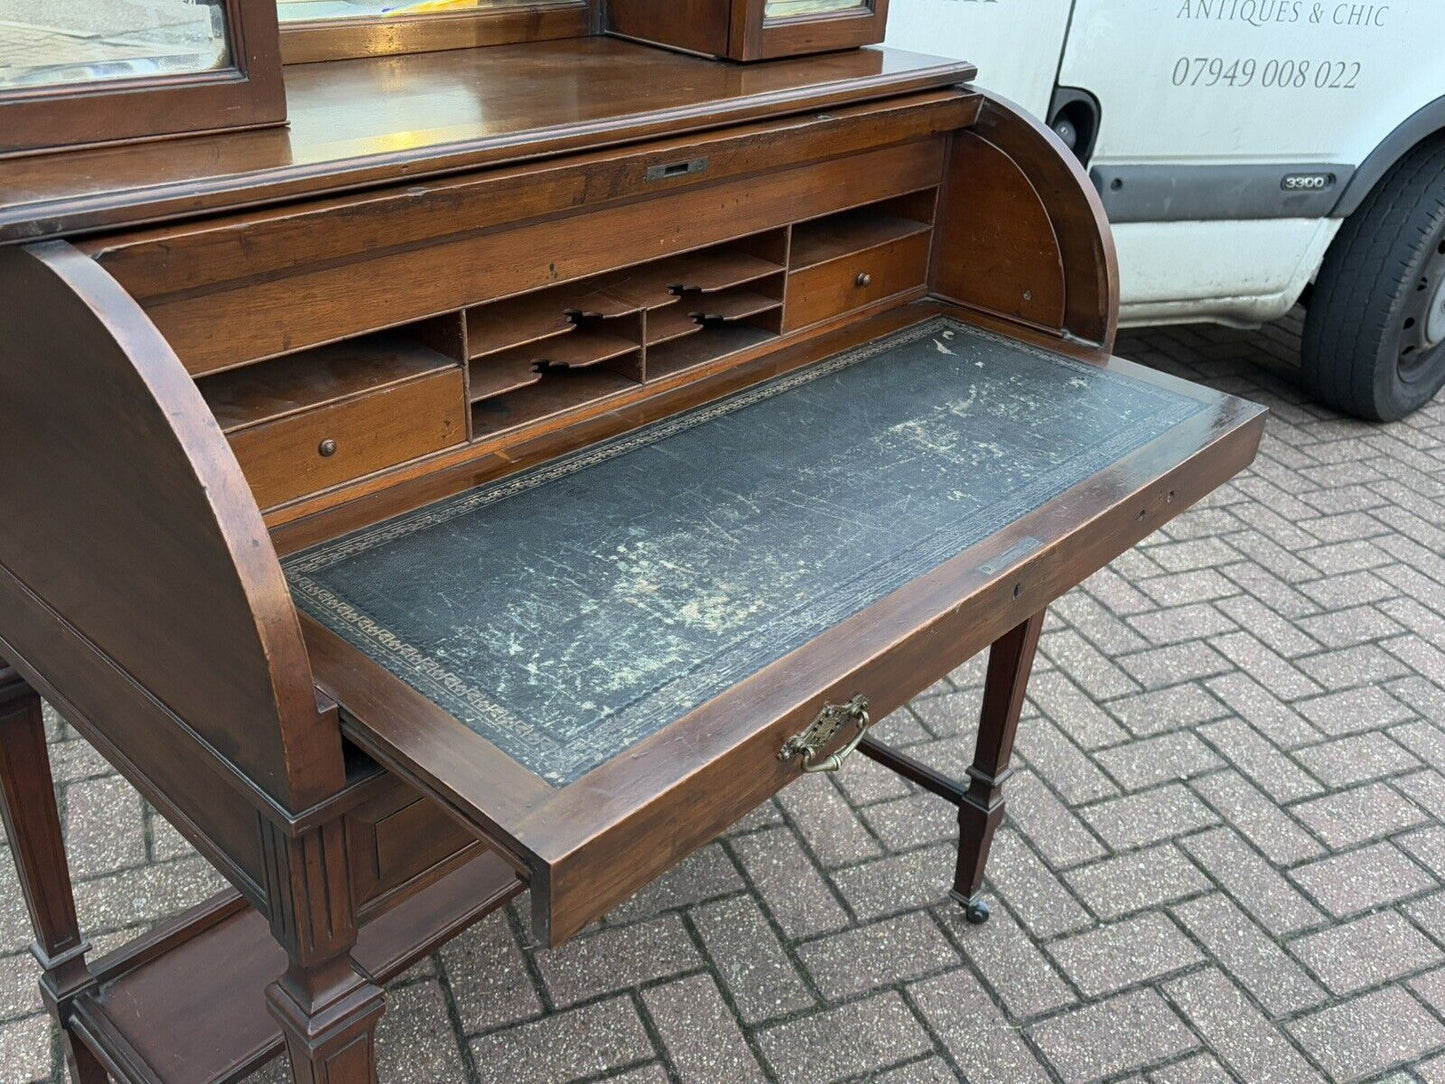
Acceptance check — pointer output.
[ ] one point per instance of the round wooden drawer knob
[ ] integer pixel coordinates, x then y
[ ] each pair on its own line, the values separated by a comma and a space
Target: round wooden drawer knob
864, 279
327, 447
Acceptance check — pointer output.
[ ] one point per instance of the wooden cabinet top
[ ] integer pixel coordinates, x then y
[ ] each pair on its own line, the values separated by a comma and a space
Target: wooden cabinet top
384, 120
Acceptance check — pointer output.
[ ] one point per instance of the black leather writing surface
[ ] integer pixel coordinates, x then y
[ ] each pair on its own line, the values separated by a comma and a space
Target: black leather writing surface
571, 610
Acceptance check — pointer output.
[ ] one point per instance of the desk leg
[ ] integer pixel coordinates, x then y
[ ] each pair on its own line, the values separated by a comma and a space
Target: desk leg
38, 845
327, 1010
980, 810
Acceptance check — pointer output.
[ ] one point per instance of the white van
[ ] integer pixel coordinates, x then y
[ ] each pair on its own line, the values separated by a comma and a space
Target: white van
1250, 154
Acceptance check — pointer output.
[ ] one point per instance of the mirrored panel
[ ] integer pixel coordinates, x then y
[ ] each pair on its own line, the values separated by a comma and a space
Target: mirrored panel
293, 11
787, 9
69, 42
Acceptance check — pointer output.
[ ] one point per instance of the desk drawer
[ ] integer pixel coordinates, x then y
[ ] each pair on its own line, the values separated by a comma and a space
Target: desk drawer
855, 280
324, 447
396, 838
844, 261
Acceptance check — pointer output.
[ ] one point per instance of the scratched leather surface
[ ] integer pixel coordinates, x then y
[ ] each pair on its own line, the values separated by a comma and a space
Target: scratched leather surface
568, 612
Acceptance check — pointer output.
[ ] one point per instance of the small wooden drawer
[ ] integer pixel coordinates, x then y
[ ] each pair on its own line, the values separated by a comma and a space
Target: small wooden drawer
308, 452
856, 279
394, 840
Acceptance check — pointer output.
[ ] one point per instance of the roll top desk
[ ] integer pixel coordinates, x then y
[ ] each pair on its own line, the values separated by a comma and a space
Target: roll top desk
518, 469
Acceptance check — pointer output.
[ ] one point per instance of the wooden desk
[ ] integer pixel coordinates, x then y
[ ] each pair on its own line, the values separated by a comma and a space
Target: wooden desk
516, 486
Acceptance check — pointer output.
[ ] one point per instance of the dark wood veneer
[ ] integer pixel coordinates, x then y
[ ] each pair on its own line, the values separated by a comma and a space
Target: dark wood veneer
533, 248
460, 109
210, 634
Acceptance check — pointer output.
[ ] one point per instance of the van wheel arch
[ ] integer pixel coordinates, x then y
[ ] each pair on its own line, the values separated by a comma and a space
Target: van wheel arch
1424, 124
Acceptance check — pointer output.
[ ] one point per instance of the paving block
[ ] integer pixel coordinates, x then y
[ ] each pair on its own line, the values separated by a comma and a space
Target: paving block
1369, 1034
1250, 955
851, 1040
1128, 1032
701, 1035
579, 1042
1348, 884
1356, 955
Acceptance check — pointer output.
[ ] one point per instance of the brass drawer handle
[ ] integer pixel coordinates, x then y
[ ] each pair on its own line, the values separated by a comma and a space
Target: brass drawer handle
326, 448
864, 279
821, 730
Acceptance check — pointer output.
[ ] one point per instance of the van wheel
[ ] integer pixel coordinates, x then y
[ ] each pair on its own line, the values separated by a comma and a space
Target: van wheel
1374, 335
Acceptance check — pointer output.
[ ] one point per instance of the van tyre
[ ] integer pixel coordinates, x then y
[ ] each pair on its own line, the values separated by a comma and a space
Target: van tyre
1374, 335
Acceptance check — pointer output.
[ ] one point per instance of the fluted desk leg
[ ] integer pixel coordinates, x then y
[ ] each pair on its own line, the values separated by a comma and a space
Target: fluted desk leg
32, 821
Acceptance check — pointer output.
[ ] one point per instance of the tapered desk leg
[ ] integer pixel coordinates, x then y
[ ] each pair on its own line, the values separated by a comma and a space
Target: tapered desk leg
327, 1011
980, 811
32, 820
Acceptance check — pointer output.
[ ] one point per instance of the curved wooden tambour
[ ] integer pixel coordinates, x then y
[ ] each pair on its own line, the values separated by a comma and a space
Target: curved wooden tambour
1023, 233
135, 573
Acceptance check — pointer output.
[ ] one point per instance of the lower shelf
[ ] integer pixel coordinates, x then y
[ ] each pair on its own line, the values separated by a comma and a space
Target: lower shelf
186, 1004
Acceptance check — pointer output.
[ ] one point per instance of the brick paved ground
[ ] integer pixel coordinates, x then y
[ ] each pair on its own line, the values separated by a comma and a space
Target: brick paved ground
1224, 859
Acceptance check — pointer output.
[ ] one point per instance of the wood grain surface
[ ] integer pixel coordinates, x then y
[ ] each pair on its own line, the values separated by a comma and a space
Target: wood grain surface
446, 111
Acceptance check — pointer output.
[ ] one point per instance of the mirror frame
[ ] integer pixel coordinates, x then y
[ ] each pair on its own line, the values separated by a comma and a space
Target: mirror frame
757, 37
741, 30
345, 39
247, 94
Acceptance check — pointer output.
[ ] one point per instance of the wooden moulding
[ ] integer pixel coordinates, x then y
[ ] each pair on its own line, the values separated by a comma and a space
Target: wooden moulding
184, 1004
249, 93
342, 39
